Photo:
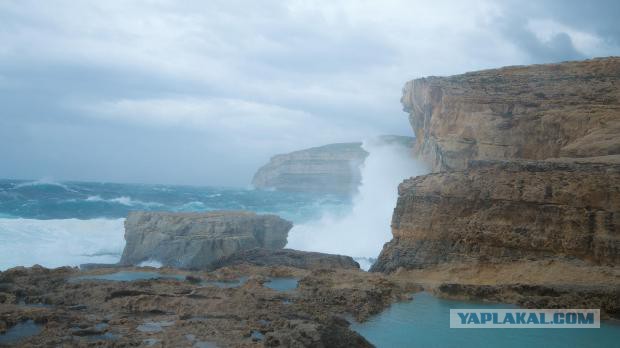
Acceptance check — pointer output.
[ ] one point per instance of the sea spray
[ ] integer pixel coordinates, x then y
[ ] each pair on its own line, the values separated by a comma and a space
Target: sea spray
363, 231
61, 242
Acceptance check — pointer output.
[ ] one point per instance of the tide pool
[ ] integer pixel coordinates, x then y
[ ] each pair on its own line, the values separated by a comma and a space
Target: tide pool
425, 322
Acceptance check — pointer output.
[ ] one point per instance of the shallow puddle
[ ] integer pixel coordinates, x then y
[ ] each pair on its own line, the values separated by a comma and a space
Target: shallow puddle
425, 322
20, 331
282, 284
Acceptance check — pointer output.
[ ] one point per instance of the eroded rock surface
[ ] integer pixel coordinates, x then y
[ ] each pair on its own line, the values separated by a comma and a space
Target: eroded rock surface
287, 257
196, 240
169, 312
523, 112
499, 211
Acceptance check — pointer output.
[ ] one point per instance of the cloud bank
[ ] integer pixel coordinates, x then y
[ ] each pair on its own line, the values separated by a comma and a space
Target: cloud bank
199, 92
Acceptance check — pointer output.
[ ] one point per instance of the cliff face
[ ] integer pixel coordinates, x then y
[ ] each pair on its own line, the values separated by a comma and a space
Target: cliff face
329, 168
526, 169
501, 211
528, 112
196, 240
333, 168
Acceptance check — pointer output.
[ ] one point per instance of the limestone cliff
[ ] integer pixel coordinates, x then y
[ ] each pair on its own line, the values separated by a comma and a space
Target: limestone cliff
504, 211
328, 168
526, 171
332, 168
196, 240
529, 112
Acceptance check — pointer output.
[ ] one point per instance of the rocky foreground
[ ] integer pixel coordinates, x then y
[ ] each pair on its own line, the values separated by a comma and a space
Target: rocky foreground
230, 307
524, 202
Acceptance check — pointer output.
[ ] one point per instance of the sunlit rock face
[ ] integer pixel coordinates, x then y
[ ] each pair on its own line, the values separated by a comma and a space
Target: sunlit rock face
529, 112
196, 240
526, 165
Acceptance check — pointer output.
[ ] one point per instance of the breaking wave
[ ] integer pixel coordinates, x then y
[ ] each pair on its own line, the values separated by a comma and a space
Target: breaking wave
124, 200
362, 232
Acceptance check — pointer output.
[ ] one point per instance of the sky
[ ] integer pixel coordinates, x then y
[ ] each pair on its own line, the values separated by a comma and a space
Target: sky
205, 92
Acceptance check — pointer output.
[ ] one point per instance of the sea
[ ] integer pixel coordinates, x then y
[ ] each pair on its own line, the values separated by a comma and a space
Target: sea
69, 223
56, 224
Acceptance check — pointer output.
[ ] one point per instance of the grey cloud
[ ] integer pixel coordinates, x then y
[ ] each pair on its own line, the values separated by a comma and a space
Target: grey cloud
159, 91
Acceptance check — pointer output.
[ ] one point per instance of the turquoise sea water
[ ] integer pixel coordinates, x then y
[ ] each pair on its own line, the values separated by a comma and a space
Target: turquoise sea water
425, 322
282, 284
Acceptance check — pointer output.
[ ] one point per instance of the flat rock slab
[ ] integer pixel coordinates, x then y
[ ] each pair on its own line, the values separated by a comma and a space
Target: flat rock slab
196, 240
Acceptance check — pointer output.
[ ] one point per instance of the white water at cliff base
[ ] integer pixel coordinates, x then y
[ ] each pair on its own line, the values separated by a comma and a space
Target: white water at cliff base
363, 231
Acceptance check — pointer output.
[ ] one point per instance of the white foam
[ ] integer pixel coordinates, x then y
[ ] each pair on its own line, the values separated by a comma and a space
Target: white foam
364, 230
43, 182
55, 243
124, 200
151, 263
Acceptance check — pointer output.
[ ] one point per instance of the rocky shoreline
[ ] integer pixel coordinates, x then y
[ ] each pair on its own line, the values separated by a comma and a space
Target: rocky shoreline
194, 308
523, 204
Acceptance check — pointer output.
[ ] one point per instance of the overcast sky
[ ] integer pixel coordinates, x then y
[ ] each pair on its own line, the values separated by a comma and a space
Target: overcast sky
204, 92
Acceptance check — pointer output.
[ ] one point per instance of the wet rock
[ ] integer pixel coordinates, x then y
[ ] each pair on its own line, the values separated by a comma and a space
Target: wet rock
287, 257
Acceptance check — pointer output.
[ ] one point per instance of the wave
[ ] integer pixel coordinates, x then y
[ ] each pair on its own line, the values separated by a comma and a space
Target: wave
366, 227
61, 242
192, 206
124, 200
43, 182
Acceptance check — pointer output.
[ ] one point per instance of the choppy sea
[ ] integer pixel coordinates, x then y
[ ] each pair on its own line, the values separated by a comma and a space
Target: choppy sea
68, 223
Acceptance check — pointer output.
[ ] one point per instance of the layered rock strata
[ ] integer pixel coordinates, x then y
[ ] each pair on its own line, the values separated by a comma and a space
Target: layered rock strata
526, 170
332, 168
499, 211
530, 112
196, 240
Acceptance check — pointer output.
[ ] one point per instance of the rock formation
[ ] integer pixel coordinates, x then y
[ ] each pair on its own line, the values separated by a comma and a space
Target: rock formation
289, 258
192, 308
526, 165
333, 168
530, 112
328, 168
502, 211
195, 240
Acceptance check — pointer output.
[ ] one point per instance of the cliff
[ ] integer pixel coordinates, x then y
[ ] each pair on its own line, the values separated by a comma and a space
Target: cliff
332, 168
526, 174
501, 211
196, 240
328, 168
528, 112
